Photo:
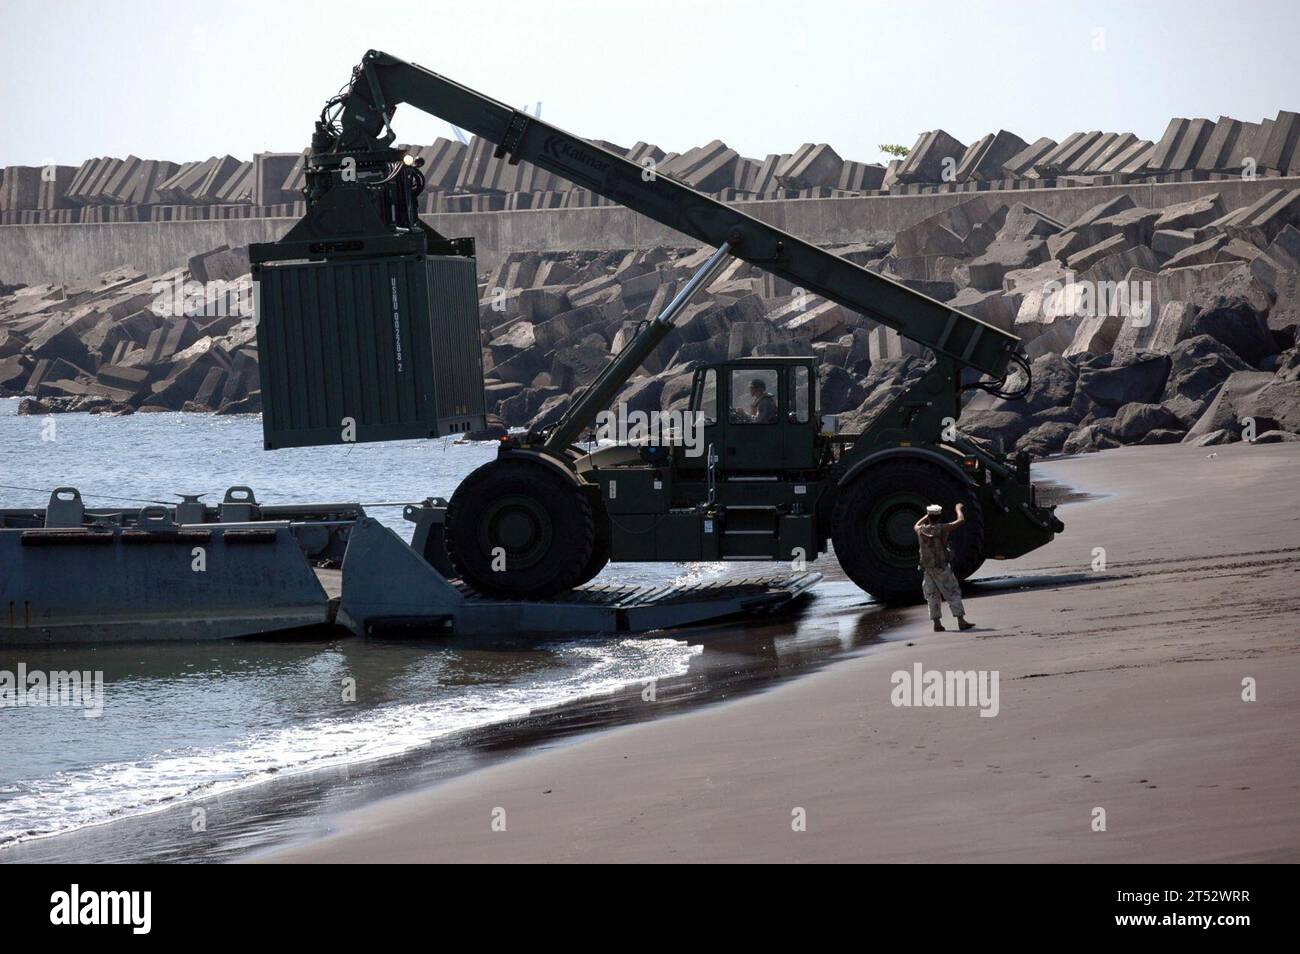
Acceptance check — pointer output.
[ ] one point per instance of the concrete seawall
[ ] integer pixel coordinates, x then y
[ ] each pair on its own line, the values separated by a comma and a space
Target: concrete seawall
59, 253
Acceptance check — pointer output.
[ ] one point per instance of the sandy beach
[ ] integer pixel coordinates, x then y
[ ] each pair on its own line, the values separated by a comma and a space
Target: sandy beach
1120, 689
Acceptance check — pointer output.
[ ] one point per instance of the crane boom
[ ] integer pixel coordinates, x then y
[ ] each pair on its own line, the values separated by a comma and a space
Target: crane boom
383, 81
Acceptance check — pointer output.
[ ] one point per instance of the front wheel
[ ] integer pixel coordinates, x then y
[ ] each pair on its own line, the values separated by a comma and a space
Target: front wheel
520, 528
600, 550
872, 526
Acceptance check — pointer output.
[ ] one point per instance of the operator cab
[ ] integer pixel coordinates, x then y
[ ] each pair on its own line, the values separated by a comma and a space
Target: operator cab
759, 414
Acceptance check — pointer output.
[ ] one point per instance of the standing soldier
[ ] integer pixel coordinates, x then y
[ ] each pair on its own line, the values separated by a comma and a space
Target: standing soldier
938, 580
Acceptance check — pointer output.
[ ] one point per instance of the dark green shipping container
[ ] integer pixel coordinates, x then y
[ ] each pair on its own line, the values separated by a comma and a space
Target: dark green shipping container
379, 349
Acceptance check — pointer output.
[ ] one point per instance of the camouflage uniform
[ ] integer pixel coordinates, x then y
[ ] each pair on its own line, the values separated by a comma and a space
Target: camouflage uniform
763, 410
937, 579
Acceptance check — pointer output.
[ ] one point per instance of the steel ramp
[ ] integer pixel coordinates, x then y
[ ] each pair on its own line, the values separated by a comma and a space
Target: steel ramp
388, 588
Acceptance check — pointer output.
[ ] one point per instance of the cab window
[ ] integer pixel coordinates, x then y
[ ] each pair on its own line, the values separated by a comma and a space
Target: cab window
754, 396
706, 396
797, 387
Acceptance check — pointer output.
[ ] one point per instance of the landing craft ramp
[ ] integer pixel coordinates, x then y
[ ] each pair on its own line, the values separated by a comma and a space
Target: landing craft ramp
70, 574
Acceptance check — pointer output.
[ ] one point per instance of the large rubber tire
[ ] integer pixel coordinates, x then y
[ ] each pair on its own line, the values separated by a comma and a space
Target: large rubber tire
600, 550
871, 526
532, 511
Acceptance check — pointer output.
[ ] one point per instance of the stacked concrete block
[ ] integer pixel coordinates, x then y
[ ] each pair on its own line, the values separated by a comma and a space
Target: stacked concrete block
1281, 256
993, 307
205, 187
708, 168
643, 151
987, 271
296, 180
1086, 257
1181, 146
55, 181
1128, 160
96, 187
1277, 269
1227, 145
1094, 159
743, 176
861, 177
118, 185
177, 187
1263, 219
1281, 151
1167, 243
1135, 225
984, 160
1025, 222
890, 182
578, 199
1022, 163
76, 188
531, 178
547, 199
21, 188
1198, 253
239, 188
823, 321
1083, 232
92, 175
222, 264
442, 164
934, 158
886, 344
765, 177
270, 169
136, 182
1068, 153
480, 172
812, 164
1193, 214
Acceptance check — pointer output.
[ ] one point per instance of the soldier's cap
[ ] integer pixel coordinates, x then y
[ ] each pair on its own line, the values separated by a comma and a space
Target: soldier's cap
934, 510
758, 383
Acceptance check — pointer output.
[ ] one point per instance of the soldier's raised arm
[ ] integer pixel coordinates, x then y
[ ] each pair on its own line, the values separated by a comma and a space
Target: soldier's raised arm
961, 518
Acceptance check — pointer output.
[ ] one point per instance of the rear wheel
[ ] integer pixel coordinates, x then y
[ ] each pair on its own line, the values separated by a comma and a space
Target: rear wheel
520, 528
873, 520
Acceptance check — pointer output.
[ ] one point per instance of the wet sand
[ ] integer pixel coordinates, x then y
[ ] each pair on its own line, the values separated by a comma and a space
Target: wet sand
1119, 689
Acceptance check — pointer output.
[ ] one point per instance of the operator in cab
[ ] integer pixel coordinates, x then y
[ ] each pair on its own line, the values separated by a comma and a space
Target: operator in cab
762, 409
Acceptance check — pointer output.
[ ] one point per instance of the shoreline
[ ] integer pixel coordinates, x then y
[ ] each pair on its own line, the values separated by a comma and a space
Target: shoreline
1120, 690
734, 659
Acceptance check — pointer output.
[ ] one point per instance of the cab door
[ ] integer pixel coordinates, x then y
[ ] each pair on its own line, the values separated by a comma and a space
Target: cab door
801, 421
753, 439
707, 423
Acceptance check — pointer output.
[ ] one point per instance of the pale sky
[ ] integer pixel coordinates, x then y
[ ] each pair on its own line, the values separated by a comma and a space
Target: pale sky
181, 80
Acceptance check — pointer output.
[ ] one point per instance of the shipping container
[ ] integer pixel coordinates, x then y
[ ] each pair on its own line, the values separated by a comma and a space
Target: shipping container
375, 349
